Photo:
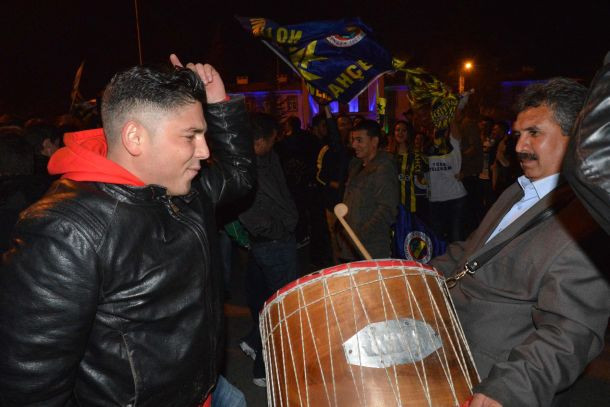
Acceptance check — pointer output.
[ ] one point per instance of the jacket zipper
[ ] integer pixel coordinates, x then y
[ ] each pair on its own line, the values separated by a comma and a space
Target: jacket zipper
199, 231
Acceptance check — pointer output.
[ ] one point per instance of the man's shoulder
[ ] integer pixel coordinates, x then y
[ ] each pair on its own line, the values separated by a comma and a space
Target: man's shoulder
82, 205
384, 161
569, 226
66, 193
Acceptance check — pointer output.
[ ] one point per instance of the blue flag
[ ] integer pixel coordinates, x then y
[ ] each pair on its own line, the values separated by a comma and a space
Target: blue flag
337, 59
415, 241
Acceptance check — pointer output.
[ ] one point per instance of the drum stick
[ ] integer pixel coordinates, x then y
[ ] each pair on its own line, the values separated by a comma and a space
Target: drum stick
340, 211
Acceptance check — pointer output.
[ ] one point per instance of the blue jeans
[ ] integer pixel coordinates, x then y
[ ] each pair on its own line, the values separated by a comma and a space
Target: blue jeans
271, 265
227, 395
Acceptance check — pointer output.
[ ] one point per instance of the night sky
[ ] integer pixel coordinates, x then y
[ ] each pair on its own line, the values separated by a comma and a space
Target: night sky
43, 42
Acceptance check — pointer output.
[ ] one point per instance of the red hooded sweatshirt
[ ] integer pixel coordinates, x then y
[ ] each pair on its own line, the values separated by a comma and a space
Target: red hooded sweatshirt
84, 159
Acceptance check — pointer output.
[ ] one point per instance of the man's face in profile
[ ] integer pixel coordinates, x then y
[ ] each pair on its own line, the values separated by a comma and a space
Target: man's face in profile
365, 147
542, 145
175, 147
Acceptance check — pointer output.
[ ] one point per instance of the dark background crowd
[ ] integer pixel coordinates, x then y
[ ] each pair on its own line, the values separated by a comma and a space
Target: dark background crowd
303, 169
314, 159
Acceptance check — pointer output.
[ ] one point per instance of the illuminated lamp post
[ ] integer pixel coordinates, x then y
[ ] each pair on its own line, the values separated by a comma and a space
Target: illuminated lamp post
466, 67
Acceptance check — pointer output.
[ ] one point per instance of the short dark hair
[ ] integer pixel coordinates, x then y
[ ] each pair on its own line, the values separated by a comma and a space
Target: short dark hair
147, 87
565, 97
294, 123
263, 125
372, 128
317, 119
343, 115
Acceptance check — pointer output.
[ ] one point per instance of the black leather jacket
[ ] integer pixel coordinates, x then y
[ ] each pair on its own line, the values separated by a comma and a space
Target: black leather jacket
587, 162
107, 297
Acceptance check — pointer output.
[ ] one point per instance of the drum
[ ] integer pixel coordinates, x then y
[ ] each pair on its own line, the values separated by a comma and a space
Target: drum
368, 333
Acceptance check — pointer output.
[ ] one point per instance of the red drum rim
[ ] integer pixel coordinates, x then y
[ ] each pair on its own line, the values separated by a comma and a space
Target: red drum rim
385, 263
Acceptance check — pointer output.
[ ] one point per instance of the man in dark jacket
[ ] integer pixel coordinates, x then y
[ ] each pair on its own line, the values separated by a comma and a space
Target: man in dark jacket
107, 295
271, 221
298, 152
371, 194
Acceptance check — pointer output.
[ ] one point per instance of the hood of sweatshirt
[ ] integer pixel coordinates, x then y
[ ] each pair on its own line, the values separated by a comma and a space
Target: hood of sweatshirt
84, 159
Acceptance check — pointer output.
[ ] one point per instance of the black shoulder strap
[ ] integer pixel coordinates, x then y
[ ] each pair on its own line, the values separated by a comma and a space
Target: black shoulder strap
476, 263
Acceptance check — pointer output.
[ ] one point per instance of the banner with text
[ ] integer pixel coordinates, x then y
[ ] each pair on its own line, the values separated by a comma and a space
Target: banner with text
337, 59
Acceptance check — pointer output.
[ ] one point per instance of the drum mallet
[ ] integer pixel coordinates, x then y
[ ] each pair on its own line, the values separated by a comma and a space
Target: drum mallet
340, 211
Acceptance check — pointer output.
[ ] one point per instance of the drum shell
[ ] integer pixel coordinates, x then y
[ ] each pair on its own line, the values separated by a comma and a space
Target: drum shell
305, 325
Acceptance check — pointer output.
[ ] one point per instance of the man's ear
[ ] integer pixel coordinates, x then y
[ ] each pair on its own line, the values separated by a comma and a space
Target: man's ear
132, 137
375, 141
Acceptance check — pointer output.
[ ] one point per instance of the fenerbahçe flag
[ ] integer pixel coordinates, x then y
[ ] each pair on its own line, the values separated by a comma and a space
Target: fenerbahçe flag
337, 59
413, 240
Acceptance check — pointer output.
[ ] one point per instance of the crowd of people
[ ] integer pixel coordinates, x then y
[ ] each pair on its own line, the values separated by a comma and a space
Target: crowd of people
448, 178
116, 242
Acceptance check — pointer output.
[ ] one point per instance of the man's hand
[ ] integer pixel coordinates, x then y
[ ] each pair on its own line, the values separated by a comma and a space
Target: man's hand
481, 400
214, 87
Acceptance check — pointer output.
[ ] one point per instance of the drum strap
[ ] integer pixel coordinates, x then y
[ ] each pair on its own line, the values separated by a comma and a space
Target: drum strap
471, 266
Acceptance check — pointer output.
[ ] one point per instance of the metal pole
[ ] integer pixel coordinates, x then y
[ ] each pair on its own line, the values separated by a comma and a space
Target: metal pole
135, 2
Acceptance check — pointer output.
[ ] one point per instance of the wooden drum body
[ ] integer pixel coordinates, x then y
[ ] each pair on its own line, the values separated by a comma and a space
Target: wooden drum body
369, 333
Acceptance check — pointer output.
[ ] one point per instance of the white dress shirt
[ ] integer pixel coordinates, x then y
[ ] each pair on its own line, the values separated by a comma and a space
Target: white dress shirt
532, 193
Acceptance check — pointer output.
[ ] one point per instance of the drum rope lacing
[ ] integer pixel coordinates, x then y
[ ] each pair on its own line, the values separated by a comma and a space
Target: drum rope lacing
355, 321
316, 349
268, 327
457, 330
446, 368
382, 288
411, 296
369, 321
337, 320
332, 366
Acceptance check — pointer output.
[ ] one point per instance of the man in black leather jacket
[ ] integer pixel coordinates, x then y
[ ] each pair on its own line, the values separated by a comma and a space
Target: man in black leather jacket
587, 162
107, 295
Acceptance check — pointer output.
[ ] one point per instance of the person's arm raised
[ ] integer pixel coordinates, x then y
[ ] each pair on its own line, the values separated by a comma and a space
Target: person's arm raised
214, 86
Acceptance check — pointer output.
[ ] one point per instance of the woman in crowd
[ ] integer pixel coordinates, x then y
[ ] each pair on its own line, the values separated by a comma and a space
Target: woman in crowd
407, 148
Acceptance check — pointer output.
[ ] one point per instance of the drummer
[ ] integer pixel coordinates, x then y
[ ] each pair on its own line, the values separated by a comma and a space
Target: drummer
535, 304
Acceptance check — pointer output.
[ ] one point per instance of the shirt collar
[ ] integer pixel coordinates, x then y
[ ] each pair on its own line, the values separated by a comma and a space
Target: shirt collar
539, 188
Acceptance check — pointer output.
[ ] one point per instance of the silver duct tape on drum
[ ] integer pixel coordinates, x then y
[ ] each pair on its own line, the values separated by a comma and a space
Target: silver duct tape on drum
389, 343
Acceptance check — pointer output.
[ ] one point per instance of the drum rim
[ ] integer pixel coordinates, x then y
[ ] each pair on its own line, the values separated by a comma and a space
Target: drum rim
341, 267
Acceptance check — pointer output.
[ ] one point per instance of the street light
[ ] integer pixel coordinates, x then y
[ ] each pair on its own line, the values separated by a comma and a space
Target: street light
467, 67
